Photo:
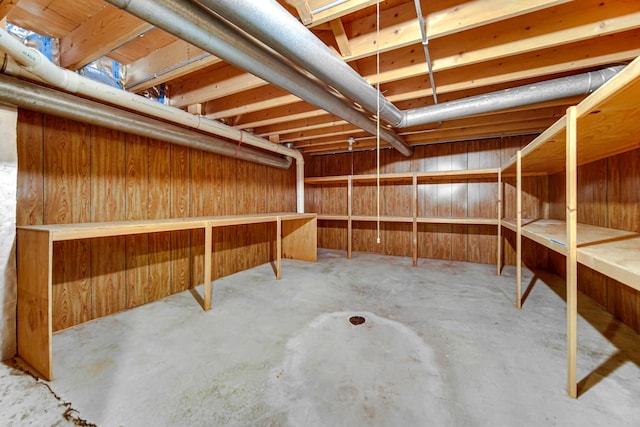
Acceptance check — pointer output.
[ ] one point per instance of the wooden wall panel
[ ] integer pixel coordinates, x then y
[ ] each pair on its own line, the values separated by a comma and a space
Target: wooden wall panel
159, 206
623, 212
30, 187
482, 201
179, 208
66, 199
425, 160
137, 246
459, 198
196, 208
396, 200
219, 178
108, 190
71, 172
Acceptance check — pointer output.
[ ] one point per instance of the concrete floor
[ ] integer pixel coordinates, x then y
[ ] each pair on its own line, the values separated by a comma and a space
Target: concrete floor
442, 345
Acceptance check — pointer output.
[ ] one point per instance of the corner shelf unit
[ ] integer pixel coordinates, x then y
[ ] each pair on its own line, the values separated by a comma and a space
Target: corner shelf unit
414, 178
604, 124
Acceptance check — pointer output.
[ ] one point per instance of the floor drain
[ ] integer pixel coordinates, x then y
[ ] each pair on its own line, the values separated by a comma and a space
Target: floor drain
357, 320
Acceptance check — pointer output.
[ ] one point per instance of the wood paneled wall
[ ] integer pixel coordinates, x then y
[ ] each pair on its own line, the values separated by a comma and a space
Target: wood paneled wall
74, 172
608, 196
460, 198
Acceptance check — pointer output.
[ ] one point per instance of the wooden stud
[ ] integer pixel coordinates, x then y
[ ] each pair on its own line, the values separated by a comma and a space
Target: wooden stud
572, 270
208, 245
519, 230
499, 249
349, 214
278, 248
414, 233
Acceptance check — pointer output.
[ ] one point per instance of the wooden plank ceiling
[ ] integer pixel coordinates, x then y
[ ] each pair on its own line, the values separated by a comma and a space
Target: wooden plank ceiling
475, 46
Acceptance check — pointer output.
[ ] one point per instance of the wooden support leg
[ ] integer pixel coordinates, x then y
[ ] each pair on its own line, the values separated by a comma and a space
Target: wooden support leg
34, 310
349, 223
278, 248
519, 230
572, 266
414, 231
208, 245
499, 249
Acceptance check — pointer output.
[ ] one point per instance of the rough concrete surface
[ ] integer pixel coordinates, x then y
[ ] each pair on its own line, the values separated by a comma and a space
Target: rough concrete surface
442, 345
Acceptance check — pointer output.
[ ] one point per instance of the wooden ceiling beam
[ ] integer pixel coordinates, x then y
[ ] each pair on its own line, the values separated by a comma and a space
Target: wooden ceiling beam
460, 18
171, 62
99, 35
339, 11
7, 6
513, 50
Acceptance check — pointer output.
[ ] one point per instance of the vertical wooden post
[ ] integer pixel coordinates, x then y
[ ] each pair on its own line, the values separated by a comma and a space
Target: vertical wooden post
499, 250
519, 229
278, 247
572, 267
349, 213
415, 219
208, 254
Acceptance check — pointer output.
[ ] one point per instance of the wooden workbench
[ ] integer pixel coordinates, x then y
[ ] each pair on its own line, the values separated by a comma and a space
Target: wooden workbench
296, 238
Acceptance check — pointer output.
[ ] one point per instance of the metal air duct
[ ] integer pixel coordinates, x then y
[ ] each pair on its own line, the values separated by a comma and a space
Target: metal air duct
192, 23
272, 24
49, 101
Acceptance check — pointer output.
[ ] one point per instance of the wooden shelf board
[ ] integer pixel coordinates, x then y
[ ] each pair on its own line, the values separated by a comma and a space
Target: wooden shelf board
487, 173
328, 217
615, 253
367, 218
406, 176
91, 230
457, 220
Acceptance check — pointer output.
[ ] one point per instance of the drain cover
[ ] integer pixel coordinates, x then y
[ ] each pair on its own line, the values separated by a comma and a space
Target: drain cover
357, 320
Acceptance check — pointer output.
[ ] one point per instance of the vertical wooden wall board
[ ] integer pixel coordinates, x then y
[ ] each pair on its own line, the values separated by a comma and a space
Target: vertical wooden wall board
557, 196
623, 212
221, 181
482, 201
459, 202
364, 237
67, 192
396, 200
30, 187
250, 198
108, 195
137, 246
444, 201
592, 209
179, 208
312, 193
159, 206
425, 159
196, 208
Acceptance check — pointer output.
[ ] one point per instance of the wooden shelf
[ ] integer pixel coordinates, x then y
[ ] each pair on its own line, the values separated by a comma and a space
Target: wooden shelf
457, 220
373, 218
419, 220
608, 123
611, 252
604, 124
295, 237
488, 173
414, 179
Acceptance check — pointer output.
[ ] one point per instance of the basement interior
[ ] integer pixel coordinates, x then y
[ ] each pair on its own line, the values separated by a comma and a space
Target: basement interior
319, 212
